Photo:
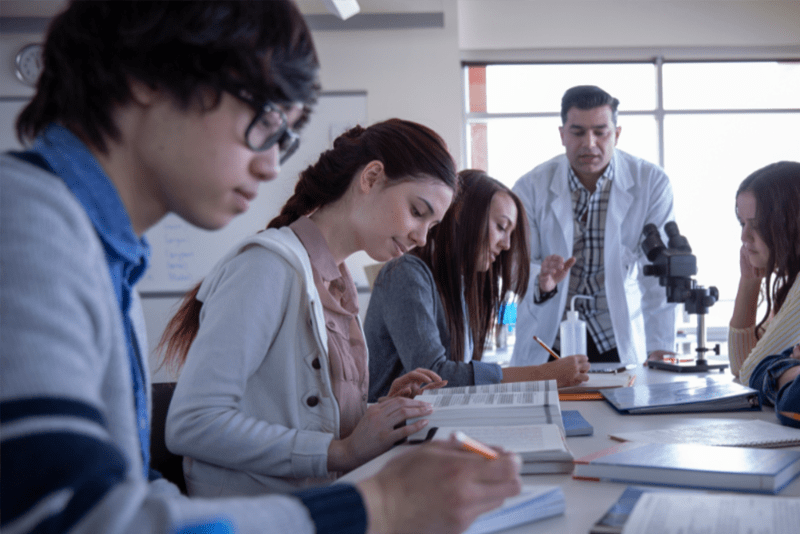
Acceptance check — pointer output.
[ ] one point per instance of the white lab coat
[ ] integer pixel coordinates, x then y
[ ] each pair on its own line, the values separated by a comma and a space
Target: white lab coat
642, 319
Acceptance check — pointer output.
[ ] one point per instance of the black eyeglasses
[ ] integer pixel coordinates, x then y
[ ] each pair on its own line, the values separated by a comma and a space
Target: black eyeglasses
269, 127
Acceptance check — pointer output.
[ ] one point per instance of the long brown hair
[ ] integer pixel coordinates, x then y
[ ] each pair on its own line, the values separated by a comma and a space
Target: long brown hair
453, 251
776, 188
408, 151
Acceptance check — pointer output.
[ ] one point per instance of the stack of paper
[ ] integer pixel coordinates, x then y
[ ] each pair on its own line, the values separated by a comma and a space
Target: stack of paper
678, 513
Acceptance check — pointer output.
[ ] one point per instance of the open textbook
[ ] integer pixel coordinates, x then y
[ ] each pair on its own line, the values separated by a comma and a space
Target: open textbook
722, 432
511, 404
680, 513
541, 447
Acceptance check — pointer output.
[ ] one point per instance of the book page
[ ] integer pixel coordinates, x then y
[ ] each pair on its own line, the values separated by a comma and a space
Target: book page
724, 432
508, 387
481, 400
520, 439
696, 513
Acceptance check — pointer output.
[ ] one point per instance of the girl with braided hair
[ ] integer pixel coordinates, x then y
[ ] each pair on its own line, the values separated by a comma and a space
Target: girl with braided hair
272, 393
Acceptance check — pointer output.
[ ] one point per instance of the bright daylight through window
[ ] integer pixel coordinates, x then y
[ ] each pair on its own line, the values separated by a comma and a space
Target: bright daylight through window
709, 124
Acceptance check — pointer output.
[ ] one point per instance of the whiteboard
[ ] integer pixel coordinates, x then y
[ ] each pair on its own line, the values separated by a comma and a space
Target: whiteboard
182, 254
9, 109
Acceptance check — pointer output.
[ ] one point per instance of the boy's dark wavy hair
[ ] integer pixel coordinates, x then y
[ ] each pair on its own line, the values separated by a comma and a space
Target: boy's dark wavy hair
94, 48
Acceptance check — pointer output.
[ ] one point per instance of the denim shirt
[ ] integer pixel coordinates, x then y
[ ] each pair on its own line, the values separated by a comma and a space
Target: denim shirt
127, 254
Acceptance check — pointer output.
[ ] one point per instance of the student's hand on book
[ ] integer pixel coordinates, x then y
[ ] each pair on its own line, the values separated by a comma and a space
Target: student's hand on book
413, 383
569, 370
379, 428
553, 270
437, 488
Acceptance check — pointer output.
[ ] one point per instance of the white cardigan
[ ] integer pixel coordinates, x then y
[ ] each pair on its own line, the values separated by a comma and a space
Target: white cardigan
642, 319
254, 409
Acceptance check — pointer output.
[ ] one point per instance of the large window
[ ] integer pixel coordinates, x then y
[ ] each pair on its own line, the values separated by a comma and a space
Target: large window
709, 124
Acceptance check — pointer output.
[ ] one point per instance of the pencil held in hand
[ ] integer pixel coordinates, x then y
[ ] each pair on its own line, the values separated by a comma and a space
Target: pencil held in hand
473, 445
548, 349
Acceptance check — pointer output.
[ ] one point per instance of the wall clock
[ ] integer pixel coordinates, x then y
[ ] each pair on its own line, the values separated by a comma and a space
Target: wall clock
28, 63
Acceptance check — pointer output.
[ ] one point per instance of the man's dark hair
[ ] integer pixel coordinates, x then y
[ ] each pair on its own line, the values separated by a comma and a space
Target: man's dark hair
187, 49
587, 97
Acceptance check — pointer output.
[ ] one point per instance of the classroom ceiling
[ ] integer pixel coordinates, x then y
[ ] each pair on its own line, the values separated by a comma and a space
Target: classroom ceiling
48, 8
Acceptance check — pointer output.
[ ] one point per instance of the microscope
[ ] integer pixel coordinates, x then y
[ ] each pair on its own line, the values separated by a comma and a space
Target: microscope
674, 266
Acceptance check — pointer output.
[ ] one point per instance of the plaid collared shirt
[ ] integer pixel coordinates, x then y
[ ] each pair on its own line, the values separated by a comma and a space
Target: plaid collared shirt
587, 276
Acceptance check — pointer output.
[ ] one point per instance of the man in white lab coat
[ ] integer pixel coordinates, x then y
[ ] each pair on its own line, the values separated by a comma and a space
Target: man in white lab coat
587, 209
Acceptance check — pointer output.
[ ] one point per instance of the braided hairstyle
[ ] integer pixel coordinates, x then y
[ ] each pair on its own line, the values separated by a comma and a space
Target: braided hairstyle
408, 151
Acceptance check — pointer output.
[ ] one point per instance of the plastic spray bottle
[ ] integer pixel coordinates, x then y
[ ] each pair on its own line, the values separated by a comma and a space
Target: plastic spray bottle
573, 330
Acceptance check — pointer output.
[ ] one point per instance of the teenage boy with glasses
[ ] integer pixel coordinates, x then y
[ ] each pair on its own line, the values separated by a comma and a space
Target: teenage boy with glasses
131, 120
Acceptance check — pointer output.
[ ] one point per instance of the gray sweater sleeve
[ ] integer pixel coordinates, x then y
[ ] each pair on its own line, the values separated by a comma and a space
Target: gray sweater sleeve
406, 328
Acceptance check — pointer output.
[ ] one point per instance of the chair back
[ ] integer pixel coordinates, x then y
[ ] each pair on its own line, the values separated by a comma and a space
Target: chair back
161, 459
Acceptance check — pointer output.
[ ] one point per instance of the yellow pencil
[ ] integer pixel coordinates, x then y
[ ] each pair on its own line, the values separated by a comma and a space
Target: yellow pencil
473, 445
548, 349
791, 415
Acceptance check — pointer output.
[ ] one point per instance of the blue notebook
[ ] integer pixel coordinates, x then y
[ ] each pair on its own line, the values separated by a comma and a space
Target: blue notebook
575, 424
692, 466
693, 395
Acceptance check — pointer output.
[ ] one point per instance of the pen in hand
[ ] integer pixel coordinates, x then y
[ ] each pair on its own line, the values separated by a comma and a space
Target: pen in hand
473, 445
548, 349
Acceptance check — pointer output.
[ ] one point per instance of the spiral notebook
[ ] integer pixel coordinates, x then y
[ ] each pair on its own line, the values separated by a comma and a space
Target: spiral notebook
722, 432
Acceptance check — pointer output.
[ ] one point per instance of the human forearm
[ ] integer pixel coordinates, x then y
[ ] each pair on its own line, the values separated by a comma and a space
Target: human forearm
451, 488
568, 371
745, 306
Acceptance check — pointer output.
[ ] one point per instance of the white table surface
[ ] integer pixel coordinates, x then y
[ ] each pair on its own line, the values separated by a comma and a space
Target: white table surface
587, 501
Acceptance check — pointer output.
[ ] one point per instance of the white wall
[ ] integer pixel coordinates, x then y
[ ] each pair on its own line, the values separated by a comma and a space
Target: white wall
573, 24
413, 74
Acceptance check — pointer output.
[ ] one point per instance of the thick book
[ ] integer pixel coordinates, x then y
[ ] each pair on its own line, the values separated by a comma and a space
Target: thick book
541, 447
720, 432
600, 381
515, 403
534, 503
690, 465
693, 395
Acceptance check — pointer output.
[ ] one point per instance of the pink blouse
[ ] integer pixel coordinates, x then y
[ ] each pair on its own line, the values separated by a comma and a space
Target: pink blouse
347, 350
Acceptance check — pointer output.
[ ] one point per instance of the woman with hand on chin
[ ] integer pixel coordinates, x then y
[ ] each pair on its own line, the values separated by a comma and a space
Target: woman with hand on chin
761, 354
272, 394
434, 307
